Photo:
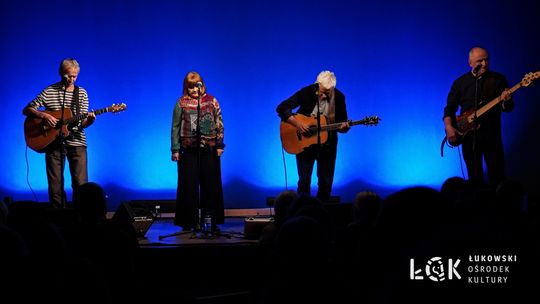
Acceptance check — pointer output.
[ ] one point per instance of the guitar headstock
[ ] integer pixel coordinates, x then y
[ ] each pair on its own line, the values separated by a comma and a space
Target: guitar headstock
371, 120
529, 78
114, 108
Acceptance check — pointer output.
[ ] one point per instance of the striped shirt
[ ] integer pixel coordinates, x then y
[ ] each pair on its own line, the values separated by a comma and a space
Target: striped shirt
50, 99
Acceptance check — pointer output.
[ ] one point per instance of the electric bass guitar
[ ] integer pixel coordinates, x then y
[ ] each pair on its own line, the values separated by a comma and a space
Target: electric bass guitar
294, 141
38, 135
466, 122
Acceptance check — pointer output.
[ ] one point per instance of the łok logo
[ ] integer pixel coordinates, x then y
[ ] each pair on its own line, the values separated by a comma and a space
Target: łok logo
435, 270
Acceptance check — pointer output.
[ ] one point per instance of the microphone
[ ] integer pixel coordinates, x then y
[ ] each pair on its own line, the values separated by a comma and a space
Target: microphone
65, 78
477, 68
198, 84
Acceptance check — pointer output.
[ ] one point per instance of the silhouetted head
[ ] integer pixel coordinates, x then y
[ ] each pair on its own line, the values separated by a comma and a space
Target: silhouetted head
90, 201
412, 209
301, 239
455, 189
282, 203
366, 206
510, 196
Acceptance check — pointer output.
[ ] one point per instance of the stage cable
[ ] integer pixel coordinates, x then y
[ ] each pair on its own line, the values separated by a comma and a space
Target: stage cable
284, 167
461, 163
446, 143
28, 174
286, 180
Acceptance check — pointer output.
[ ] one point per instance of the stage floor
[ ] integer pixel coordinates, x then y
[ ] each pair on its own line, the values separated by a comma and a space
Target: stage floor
190, 268
163, 233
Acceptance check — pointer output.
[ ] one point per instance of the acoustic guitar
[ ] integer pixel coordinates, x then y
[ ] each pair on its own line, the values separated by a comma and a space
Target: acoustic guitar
465, 122
295, 142
38, 135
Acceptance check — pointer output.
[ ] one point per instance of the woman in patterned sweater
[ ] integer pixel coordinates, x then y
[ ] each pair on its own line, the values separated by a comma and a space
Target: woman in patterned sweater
198, 157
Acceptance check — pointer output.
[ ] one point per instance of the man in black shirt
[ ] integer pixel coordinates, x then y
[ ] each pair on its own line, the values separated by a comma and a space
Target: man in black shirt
472, 91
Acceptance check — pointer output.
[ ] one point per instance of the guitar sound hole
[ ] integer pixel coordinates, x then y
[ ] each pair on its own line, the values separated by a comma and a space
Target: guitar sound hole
311, 132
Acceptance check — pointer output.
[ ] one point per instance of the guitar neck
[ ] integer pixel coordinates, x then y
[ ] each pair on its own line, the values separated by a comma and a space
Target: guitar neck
84, 115
494, 102
336, 126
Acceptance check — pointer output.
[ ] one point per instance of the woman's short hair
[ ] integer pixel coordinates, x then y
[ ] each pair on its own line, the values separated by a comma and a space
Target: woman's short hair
191, 80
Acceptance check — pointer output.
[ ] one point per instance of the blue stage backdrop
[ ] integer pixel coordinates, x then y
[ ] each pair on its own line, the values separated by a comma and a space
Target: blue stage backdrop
394, 59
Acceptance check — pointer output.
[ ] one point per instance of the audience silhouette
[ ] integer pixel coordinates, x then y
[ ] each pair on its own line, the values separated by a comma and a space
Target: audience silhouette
95, 259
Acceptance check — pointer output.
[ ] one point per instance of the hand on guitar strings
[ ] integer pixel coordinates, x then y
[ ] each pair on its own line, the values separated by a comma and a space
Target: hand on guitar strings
49, 120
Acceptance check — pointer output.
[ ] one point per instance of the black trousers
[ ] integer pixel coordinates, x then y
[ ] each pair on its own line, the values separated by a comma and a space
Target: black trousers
325, 156
488, 148
191, 180
55, 161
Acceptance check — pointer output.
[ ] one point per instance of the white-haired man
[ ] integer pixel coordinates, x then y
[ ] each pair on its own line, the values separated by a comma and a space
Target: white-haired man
322, 98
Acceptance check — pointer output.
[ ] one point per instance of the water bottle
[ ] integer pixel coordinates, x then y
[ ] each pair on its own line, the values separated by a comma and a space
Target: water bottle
157, 211
207, 226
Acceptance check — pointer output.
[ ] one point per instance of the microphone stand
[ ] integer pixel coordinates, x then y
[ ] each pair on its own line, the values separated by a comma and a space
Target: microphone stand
204, 223
318, 126
318, 119
475, 126
199, 224
62, 147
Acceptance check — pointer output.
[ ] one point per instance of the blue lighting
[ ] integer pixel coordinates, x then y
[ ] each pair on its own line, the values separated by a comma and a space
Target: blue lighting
394, 59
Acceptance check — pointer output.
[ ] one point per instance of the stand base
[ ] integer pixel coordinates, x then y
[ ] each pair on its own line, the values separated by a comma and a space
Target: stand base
198, 234
208, 235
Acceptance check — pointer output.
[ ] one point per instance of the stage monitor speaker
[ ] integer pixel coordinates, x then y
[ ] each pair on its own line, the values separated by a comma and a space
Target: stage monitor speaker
161, 205
253, 226
134, 216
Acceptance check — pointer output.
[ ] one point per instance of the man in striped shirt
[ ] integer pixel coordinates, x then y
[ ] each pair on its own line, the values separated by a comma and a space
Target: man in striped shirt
74, 147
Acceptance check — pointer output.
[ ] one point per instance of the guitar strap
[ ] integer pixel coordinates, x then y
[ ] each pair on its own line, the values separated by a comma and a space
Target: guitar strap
332, 108
77, 106
76, 101
331, 114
